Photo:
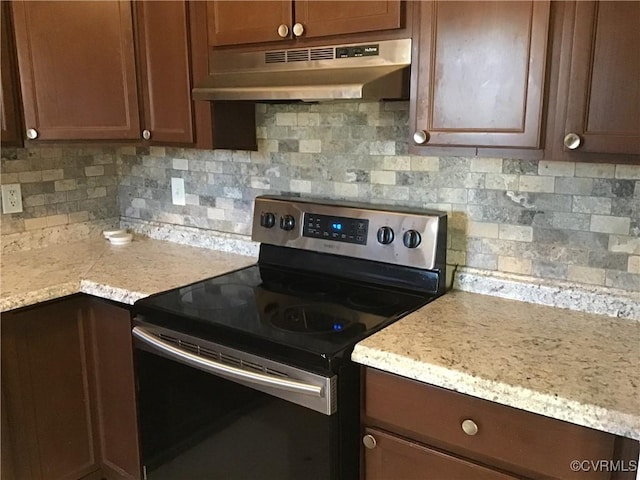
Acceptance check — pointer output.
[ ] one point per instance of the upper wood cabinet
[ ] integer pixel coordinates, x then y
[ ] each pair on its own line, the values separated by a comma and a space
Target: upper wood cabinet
478, 75
164, 71
11, 134
598, 103
238, 23
77, 69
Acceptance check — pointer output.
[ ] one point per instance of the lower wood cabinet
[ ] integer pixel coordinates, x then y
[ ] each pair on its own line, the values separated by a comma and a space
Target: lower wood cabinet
68, 394
389, 456
417, 431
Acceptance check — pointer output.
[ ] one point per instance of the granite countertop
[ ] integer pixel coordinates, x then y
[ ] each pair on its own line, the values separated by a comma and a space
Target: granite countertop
577, 367
123, 273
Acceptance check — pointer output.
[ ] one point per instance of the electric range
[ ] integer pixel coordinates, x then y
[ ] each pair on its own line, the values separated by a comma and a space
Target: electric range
328, 275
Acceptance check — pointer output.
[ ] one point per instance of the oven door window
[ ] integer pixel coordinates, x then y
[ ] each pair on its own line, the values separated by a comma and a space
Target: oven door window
195, 425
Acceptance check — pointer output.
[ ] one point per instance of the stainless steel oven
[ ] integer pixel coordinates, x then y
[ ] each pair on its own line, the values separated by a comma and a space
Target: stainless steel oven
248, 375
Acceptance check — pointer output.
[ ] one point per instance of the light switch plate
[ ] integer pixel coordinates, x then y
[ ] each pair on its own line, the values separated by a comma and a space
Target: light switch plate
178, 196
11, 198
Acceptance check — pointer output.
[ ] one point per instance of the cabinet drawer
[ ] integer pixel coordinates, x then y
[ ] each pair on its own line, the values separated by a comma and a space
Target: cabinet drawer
508, 438
394, 457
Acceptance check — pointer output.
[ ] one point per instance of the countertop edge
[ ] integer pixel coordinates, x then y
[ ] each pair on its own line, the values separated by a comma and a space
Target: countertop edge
117, 294
586, 415
52, 292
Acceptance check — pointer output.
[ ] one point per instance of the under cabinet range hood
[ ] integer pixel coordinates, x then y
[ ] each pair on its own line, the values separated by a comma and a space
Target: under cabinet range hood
367, 71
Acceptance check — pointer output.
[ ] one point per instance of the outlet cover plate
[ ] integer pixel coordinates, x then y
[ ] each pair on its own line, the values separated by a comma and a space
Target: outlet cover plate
178, 196
11, 198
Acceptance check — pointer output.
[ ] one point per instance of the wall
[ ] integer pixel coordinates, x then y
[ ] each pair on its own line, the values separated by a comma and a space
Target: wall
553, 220
63, 189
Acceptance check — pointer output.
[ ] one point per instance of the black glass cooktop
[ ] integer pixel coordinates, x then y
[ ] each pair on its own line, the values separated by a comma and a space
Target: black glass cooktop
301, 318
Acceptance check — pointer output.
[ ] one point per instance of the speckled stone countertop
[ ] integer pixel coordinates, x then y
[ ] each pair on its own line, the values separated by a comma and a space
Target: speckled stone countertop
577, 367
123, 273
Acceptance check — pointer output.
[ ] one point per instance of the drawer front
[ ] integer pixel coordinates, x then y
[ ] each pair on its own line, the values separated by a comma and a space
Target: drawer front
394, 457
506, 437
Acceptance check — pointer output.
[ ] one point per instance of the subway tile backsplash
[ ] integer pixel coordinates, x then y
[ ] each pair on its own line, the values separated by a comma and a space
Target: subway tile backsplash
556, 220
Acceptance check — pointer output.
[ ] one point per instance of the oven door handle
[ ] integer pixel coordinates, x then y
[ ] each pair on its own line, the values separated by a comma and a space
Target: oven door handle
227, 371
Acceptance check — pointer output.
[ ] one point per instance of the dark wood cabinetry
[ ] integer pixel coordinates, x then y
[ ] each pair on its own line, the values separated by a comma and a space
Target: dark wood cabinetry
77, 70
238, 23
478, 76
120, 70
45, 383
410, 426
68, 392
598, 95
11, 133
395, 457
109, 327
164, 71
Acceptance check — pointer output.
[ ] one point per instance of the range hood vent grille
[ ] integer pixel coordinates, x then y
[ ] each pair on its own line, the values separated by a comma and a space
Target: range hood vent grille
298, 55
322, 54
275, 57
304, 55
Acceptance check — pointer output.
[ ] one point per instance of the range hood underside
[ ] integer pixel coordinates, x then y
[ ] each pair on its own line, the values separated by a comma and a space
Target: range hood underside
339, 84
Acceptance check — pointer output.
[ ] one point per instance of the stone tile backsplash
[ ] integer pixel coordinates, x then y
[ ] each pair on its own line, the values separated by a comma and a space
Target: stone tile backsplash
60, 186
557, 220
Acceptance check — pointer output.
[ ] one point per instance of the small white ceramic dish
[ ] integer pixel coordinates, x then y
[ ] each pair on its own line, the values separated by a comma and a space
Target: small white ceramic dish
115, 231
121, 238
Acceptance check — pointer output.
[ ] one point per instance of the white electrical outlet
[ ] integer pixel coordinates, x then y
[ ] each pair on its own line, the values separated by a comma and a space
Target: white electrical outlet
11, 198
178, 196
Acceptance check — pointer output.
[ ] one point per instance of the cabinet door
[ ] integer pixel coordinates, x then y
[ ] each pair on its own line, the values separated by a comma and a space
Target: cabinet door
603, 102
343, 17
395, 457
77, 69
109, 328
478, 78
11, 134
46, 390
165, 75
236, 23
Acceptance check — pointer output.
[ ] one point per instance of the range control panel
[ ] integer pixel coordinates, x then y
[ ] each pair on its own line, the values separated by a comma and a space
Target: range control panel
415, 238
339, 229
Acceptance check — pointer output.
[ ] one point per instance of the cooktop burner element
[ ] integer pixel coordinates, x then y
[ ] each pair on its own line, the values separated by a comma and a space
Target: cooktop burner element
313, 287
216, 297
313, 319
367, 301
321, 285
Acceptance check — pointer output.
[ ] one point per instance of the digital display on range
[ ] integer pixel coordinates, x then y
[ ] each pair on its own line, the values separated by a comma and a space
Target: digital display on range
337, 229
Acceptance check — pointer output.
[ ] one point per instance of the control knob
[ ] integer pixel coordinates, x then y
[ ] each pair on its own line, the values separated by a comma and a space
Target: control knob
267, 219
287, 222
411, 239
385, 235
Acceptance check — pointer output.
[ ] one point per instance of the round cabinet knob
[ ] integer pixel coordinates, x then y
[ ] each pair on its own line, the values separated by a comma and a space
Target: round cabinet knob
369, 441
32, 133
287, 222
411, 239
298, 29
385, 235
469, 427
572, 141
421, 137
267, 220
283, 31
146, 134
